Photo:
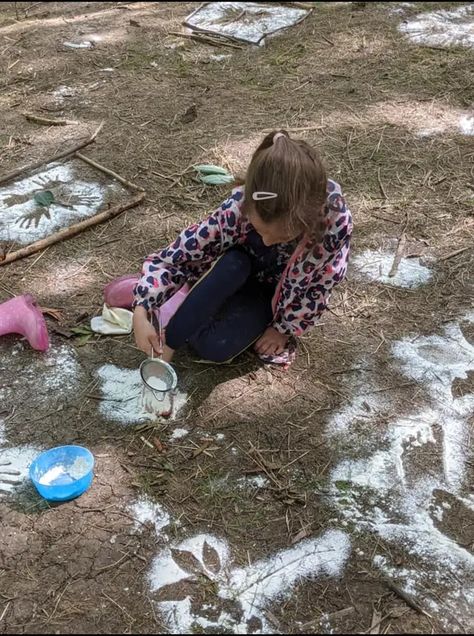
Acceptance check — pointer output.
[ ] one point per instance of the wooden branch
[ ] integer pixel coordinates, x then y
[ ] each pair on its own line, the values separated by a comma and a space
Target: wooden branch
206, 39
299, 129
455, 253
73, 230
49, 122
111, 173
398, 255
60, 155
404, 596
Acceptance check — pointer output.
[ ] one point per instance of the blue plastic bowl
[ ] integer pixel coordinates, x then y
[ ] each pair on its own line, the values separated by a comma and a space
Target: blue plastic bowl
49, 472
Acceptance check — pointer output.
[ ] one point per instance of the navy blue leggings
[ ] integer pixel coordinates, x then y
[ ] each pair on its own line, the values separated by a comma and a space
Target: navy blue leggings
224, 313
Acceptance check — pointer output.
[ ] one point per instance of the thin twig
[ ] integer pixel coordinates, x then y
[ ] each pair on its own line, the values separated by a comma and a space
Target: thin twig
111, 173
205, 39
382, 189
455, 253
49, 122
300, 129
398, 255
43, 162
404, 596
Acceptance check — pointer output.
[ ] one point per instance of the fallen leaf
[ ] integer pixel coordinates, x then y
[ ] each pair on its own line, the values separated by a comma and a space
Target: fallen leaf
187, 561
211, 558
53, 313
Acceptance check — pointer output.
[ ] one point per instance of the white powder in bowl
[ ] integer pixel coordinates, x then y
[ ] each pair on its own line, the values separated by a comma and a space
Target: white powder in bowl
157, 383
61, 475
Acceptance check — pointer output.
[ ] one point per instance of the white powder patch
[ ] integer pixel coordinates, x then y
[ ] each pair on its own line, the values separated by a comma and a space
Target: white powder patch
381, 492
144, 510
33, 375
23, 220
122, 396
442, 28
251, 588
63, 92
257, 481
2, 432
376, 265
399, 8
258, 21
178, 433
466, 124
362, 408
17, 460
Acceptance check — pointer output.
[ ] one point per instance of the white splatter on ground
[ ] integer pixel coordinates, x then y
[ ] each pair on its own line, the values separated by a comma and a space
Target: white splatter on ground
251, 588
56, 371
122, 396
255, 482
178, 433
443, 28
385, 492
466, 124
376, 264
146, 511
251, 27
23, 220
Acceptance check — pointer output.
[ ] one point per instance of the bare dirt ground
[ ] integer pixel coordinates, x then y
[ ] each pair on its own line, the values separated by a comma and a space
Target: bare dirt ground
333, 497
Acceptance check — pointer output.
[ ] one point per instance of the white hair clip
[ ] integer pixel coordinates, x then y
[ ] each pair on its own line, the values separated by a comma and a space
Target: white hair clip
278, 135
262, 196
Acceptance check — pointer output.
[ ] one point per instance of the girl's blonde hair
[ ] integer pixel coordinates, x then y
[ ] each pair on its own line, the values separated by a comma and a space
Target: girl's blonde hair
294, 171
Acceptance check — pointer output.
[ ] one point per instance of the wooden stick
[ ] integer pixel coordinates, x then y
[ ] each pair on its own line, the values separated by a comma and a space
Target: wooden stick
300, 129
111, 173
60, 155
69, 232
398, 255
382, 189
404, 596
205, 39
455, 253
49, 122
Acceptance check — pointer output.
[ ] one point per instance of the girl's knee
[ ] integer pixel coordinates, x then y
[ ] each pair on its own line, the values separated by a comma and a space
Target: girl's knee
236, 263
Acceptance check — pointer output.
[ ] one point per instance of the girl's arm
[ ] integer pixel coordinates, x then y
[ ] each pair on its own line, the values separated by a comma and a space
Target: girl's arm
166, 271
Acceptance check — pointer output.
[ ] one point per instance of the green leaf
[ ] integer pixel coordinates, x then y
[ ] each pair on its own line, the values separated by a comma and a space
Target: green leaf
82, 340
44, 198
82, 331
343, 485
217, 179
208, 168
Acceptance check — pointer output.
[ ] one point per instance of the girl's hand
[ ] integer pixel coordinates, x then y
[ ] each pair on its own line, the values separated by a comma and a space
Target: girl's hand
146, 337
271, 343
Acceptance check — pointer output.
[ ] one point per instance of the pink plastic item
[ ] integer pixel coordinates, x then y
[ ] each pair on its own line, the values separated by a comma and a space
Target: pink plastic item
170, 307
119, 293
22, 315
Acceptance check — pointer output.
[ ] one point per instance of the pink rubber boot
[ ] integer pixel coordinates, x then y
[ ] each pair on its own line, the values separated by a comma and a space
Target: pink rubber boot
22, 315
119, 292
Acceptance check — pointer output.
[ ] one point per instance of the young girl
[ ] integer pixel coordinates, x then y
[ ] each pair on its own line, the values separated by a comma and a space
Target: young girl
261, 267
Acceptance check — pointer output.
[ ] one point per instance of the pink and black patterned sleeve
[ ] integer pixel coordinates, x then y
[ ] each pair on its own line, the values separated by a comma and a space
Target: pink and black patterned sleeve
165, 272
